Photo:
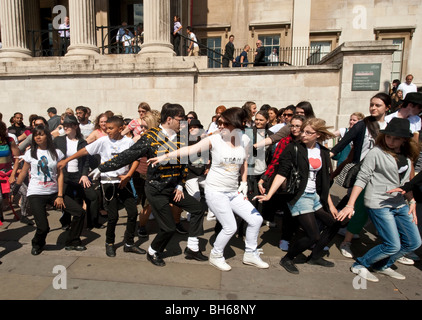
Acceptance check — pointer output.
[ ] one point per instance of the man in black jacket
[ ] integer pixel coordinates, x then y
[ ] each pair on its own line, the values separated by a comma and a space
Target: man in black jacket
259, 55
165, 183
229, 52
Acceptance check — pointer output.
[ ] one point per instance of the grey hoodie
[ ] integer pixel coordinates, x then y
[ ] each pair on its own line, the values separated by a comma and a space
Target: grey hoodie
379, 174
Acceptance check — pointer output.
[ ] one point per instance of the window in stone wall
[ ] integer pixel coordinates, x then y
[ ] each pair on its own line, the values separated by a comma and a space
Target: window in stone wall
397, 59
270, 42
319, 49
213, 51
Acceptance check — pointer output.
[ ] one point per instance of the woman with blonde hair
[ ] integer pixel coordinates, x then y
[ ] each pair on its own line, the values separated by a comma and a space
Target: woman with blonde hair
311, 200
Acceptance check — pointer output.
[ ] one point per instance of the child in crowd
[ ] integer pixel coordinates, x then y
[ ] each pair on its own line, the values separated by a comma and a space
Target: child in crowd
114, 184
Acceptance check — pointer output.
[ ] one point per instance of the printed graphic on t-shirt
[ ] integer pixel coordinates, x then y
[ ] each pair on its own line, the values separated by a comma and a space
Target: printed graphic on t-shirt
43, 170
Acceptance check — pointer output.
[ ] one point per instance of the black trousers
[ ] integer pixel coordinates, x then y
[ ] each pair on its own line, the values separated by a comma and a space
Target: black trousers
76, 191
176, 44
160, 203
313, 234
113, 196
38, 204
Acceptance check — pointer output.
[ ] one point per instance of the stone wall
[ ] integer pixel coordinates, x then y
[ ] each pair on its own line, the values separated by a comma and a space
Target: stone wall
120, 82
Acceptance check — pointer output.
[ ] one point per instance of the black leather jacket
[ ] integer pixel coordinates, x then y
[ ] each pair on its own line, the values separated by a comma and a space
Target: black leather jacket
153, 143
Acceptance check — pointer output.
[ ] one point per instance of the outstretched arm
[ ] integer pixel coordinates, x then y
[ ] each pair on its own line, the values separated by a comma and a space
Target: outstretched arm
204, 144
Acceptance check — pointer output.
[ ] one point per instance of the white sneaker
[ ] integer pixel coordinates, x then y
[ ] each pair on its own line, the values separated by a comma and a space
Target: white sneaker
413, 256
364, 273
253, 259
284, 245
219, 262
391, 273
345, 250
211, 216
406, 261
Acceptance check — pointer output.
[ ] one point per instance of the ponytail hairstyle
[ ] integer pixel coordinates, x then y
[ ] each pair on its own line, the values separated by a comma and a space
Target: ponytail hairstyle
50, 145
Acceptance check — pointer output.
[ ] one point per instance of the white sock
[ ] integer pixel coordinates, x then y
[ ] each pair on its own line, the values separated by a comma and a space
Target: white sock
151, 251
193, 244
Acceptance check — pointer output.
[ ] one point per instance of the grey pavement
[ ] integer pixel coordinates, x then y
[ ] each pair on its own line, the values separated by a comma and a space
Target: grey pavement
91, 275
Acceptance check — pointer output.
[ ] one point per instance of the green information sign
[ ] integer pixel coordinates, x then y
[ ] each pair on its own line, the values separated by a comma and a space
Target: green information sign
366, 77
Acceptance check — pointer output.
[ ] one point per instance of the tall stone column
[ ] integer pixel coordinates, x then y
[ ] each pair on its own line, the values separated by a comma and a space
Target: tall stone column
83, 36
13, 30
33, 22
157, 29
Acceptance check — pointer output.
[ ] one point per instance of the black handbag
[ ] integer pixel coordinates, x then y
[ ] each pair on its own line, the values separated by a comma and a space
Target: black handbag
292, 183
350, 178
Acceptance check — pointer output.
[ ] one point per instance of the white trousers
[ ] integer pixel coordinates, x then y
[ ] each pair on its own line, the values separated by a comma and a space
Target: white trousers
192, 186
224, 205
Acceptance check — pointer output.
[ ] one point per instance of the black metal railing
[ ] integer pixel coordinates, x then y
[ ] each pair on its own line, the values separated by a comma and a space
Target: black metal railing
110, 44
49, 43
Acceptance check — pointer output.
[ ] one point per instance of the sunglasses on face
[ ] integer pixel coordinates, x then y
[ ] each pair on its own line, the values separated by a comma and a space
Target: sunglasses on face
223, 123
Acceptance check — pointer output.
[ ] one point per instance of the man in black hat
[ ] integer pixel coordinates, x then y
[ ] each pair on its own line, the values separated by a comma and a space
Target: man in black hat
410, 110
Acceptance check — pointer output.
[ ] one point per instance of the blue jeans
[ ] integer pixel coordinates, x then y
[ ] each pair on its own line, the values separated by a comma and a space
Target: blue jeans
398, 233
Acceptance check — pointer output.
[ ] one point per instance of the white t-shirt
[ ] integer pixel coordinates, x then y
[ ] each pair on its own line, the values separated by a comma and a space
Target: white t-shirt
192, 36
108, 149
86, 129
406, 88
72, 148
415, 121
315, 164
226, 163
43, 172
212, 128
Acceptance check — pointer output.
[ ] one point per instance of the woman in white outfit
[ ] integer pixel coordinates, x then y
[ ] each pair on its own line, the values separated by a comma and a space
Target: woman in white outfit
222, 192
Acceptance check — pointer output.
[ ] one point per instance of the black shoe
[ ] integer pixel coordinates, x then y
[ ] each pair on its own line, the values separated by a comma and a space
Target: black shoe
195, 255
133, 249
320, 262
288, 264
75, 248
1, 217
142, 232
110, 250
36, 251
26, 221
156, 260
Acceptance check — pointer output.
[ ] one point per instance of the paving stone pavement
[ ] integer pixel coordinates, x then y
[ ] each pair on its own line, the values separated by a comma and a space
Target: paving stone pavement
57, 274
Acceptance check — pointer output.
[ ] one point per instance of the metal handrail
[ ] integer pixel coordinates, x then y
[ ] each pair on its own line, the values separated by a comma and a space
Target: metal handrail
201, 45
115, 47
49, 43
